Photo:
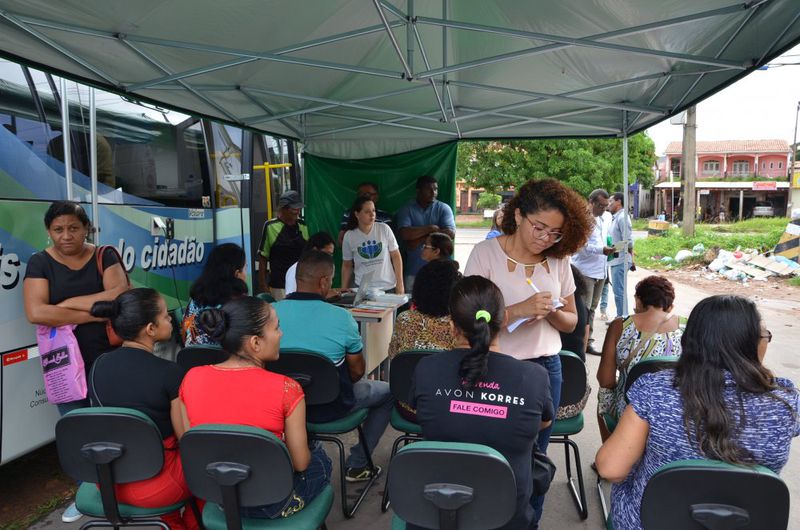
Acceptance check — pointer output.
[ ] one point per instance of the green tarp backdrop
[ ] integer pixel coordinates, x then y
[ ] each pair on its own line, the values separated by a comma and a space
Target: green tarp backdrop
330, 184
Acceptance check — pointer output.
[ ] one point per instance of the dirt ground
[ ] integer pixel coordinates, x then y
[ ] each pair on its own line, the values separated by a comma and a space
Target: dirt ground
774, 288
32, 486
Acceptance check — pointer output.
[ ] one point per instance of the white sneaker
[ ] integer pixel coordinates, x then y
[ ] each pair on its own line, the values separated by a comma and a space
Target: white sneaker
71, 514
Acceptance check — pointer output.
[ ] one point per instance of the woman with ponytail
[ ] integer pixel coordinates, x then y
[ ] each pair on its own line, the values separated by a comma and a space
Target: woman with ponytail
241, 391
475, 394
132, 377
719, 403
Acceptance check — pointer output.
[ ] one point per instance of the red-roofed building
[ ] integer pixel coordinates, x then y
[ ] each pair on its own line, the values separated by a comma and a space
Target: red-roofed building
733, 176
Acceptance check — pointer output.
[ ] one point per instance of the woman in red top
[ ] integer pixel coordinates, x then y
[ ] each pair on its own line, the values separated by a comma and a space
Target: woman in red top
240, 391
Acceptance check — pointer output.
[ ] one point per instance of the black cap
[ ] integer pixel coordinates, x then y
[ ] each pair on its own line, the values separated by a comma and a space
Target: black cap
290, 199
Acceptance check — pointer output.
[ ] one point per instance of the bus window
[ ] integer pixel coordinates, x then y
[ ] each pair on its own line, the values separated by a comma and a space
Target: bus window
225, 144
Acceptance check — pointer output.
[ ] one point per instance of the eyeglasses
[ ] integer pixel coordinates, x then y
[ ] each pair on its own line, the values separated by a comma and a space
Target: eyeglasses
540, 232
767, 334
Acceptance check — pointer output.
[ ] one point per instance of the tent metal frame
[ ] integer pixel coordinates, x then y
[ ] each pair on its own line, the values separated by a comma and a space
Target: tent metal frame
446, 116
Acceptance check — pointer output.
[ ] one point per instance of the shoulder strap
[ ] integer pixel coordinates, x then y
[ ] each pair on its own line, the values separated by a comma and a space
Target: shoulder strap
99, 251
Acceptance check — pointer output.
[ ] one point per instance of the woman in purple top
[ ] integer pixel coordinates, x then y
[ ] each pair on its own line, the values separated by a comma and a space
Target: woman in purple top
718, 403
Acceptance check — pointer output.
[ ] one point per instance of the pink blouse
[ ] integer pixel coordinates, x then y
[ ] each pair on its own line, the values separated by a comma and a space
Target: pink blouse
530, 340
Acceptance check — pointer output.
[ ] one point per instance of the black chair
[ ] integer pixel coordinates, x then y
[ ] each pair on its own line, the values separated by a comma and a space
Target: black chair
450, 486
573, 388
401, 374
319, 378
235, 466
714, 495
104, 446
192, 356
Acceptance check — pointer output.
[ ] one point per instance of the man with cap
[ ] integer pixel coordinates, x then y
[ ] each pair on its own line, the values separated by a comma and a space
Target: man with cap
282, 242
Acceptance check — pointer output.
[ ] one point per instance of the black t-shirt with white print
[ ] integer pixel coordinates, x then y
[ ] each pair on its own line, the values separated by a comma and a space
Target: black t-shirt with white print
503, 411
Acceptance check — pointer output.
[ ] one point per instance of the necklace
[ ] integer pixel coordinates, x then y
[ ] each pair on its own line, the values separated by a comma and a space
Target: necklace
515, 262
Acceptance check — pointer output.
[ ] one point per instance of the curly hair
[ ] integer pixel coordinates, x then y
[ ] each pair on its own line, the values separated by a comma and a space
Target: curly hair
550, 194
656, 291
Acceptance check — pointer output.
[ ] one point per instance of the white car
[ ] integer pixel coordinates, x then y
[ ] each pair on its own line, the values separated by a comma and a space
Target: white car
763, 209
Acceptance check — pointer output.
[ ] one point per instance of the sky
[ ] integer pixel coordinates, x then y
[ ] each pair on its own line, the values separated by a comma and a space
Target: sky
761, 106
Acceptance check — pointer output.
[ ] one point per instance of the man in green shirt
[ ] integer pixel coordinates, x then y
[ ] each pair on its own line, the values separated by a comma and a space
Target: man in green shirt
282, 242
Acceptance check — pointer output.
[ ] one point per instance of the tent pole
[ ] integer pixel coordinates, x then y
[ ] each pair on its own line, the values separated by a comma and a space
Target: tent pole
93, 163
626, 234
66, 139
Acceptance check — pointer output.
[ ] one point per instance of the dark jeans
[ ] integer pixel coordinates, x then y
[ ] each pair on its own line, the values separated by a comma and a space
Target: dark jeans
551, 363
307, 485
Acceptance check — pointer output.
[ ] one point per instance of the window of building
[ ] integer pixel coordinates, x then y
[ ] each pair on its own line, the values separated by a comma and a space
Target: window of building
711, 166
772, 165
741, 167
780, 165
675, 166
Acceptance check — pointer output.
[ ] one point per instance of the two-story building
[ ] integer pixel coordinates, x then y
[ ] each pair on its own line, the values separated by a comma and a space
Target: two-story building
733, 177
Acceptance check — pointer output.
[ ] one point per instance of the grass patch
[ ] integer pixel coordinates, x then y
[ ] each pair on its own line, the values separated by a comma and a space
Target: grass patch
753, 234
38, 512
795, 281
483, 223
640, 224
756, 225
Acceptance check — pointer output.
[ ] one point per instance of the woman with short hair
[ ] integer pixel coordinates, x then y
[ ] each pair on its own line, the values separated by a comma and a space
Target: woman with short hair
652, 331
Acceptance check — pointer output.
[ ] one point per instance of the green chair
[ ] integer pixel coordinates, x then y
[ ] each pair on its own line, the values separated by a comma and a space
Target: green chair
105, 446
573, 388
714, 495
401, 373
268, 298
451, 486
235, 466
319, 378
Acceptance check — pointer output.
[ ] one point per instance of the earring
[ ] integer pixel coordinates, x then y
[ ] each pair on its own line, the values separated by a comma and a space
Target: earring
49, 241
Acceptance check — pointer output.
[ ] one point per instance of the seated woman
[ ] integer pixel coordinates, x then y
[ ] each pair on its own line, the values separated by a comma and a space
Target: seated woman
369, 247
482, 377
719, 403
222, 279
653, 331
437, 246
241, 391
427, 325
151, 384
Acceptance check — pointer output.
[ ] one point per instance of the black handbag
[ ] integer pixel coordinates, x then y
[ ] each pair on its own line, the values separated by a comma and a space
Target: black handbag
543, 472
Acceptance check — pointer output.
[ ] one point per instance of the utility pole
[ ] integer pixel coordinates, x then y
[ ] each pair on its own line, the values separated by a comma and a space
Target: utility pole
688, 154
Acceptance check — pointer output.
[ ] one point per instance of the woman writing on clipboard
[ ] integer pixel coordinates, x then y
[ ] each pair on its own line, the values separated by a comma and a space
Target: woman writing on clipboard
542, 226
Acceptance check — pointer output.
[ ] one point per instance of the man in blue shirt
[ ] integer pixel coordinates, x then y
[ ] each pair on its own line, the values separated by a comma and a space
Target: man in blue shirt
310, 323
420, 217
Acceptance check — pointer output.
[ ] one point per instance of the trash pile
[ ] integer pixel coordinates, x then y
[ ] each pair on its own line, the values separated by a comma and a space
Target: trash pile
738, 265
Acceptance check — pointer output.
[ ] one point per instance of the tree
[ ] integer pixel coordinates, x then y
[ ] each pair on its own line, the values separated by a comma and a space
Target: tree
584, 164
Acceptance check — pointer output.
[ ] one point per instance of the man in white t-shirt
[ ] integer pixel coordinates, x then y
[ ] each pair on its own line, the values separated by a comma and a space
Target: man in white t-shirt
321, 241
